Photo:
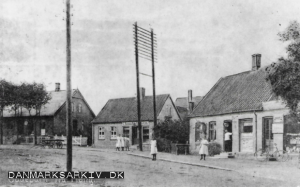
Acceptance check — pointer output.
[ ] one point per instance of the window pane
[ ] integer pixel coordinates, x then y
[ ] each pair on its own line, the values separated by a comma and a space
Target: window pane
126, 131
248, 129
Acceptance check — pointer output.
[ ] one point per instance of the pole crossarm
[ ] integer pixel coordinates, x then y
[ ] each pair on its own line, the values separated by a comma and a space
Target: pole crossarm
145, 74
142, 46
144, 37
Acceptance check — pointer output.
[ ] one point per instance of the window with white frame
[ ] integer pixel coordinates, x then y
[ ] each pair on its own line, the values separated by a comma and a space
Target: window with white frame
212, 130
79, 108
113, 131
101, 133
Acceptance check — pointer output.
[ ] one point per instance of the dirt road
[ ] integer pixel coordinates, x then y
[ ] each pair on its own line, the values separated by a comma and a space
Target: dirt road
138, 171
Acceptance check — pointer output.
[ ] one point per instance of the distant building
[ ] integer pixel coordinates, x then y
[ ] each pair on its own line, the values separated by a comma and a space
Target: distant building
52, 118
245, 105
119, 116
185, 105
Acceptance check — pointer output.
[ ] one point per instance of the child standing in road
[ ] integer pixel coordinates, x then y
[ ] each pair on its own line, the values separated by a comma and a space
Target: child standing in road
118, 144
203, 148
127, 143
153, 148
122, 142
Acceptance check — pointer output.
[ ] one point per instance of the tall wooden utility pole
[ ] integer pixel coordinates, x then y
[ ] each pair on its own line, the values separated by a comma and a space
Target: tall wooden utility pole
153, 78
145, 46
69, 88
138, 87
2, 107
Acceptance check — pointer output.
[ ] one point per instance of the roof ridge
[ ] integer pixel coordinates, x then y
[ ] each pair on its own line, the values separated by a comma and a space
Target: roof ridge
135, 97
238, 73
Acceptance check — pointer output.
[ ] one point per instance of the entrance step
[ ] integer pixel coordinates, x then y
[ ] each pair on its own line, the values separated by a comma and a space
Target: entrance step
224, 155
133, 147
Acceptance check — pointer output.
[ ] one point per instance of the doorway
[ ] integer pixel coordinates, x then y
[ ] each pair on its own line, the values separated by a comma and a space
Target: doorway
75, 126
227, 144
267, 133
134, 135
246, 135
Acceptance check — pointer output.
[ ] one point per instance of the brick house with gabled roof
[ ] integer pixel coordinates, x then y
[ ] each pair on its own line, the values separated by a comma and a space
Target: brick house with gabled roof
245, 105
52, 118
119, 116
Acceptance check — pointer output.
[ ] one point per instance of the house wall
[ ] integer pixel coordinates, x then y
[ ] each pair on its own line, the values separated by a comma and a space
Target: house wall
108, 142
236, 117
83, 118
15, 127
166, 111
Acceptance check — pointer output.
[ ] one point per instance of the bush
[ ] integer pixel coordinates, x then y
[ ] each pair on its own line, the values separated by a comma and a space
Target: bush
163, 145
214, 148
175, 131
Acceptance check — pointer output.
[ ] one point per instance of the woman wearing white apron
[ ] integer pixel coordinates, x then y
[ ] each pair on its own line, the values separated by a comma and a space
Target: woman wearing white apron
203, 149
122, 144
153, 148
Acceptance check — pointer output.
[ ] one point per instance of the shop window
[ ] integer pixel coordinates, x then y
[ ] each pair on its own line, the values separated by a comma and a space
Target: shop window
145, 134
212, 130
101, 133
246, 125
248, 128
126, 131
113, 131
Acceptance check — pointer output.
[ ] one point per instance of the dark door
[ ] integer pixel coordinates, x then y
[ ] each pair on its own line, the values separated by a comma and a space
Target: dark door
134, 135
228, 127
75, 126
267, 134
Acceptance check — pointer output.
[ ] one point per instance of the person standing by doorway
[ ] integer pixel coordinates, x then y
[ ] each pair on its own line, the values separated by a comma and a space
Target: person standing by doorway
227, 141
203, 148
153, 148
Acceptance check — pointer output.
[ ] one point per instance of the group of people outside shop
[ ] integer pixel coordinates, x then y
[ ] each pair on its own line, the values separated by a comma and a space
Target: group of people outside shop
123, 143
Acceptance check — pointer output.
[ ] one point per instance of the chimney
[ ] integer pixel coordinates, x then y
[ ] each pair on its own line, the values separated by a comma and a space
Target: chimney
190, 100
142, 93
256, 61
57, 87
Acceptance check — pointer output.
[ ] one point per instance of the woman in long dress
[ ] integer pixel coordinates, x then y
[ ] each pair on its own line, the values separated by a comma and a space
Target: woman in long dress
153, 148
203, 149
122, 142
118, 144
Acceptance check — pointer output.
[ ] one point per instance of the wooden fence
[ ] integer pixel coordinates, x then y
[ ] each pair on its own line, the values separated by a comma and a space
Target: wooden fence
76, 140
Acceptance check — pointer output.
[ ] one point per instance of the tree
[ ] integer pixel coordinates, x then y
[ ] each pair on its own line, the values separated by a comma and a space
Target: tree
284, 75
5, 93
175, 131
33, 97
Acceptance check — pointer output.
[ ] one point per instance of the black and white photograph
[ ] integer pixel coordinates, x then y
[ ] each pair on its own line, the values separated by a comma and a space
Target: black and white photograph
149, 93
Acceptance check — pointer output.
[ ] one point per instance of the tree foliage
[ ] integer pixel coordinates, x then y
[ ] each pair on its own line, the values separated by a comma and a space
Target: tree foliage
284, 75
30, 96
5, 93
26, 95
175, 131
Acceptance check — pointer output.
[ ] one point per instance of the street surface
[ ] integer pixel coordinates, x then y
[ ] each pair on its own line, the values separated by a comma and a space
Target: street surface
138, 171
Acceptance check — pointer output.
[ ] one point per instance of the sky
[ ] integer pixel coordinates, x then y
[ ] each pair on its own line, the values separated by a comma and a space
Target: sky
198, 42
